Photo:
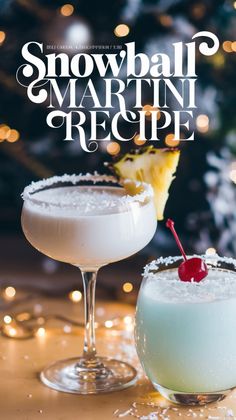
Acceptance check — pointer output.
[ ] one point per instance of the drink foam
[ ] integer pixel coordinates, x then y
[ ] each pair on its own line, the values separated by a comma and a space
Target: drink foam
165, 286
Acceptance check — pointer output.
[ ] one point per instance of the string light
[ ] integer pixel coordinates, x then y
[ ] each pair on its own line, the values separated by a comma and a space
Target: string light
41, 332
235, 4
7, 319
10, 292
113, 148
67, 10
138, 141
75, 296
121, 30
169, 140
202, 123
2, 37
127, 287
210, 251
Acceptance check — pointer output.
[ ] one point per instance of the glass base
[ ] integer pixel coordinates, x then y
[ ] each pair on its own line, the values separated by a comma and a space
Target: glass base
79, 376
193, 398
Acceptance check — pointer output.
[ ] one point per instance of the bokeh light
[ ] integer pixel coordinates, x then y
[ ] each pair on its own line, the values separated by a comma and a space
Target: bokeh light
169, 140
7, 319
108, 324
127, 287
12, 136
121, 30
75, 296
4, 131
210, 251
227, 46
41, 332
2, 37
67, 10
113, 148
10, 292
233, 46
138, 141
202, 123
232, 175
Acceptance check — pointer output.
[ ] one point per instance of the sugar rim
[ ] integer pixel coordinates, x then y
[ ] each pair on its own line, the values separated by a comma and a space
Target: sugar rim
213, 261
29, 190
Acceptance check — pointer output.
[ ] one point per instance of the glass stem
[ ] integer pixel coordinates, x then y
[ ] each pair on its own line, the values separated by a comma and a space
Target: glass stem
89, 283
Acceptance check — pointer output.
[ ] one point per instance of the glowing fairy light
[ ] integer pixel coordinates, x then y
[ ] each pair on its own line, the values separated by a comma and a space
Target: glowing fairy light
211, 251
75, 296
127, 287
2, 37
170, 140
113, 148
7, 319
67, 10
121, 30
202, 123
108, 324
41, 332
10, 292
234, 4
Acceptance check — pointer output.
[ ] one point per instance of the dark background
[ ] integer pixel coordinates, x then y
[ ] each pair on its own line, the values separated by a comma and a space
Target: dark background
202, 199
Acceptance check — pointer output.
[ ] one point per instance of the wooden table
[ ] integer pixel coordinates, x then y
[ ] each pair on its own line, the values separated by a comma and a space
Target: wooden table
23, 397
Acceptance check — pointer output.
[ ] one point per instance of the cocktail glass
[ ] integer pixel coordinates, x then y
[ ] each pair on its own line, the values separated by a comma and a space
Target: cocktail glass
186, 332
88, 221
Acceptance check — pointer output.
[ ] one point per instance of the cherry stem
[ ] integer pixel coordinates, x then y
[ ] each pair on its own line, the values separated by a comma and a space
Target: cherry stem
170, 224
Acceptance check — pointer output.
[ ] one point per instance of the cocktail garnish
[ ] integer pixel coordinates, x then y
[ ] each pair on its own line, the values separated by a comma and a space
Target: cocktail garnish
192, 269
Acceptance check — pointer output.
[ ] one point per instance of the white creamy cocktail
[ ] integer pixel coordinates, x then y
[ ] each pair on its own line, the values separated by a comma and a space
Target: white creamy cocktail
88, 221
87, 226
186, 331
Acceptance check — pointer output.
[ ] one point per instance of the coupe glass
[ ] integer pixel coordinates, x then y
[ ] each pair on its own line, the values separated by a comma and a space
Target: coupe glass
186, 332
88, 221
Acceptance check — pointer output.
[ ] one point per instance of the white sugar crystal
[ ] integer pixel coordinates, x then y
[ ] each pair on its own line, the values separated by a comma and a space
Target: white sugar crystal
165, 286
36, 193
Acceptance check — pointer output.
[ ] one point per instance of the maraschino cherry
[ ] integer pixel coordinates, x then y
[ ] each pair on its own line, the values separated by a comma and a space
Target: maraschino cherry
192, 269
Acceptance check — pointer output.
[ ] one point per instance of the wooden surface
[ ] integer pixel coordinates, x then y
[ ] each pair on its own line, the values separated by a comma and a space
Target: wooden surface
23, 397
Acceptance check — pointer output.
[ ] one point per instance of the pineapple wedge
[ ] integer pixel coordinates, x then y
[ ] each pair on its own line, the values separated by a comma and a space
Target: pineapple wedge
154, 166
